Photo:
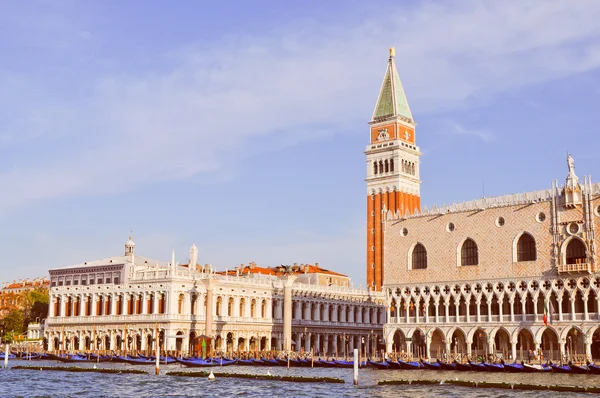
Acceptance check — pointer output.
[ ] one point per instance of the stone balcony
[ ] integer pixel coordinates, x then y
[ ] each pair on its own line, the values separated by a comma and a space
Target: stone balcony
575, 268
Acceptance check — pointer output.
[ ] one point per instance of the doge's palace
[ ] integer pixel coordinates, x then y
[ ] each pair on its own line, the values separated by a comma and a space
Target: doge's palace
499, 275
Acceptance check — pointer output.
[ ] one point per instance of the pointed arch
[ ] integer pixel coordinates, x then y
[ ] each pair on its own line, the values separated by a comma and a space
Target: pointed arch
468, 253
524, 248
417, 256
574, 251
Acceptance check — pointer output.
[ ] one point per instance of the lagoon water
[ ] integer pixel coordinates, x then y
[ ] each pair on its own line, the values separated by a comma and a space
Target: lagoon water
18, 383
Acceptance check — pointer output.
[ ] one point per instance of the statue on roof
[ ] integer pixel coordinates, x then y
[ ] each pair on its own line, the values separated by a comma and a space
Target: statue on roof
570, 163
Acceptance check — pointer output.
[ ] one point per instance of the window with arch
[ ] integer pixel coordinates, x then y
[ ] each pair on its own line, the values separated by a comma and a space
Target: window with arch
375, 167
419, 257
242, 304
219, 302
180, 304
526, 250
380, 167
253, 308
230, 306
263, 309
576, 252
469, 254
392, 165
387, 166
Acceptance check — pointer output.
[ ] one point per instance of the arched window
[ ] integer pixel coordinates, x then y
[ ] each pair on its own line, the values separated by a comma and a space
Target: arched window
380, 167
576, 252
526, 250
419, 257
230, 307
180, 304
412, 169
469, 255
252, 308
219, 302
387, 166
392, 165
375, 167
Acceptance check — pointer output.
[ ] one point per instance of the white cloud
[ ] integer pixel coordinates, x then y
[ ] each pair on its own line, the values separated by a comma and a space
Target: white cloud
207, 112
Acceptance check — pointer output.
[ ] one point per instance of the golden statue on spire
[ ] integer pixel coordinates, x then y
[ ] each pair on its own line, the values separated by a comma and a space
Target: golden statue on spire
392, 52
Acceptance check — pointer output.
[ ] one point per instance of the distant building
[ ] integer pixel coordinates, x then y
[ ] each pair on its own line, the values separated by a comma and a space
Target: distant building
120, 303
10, 295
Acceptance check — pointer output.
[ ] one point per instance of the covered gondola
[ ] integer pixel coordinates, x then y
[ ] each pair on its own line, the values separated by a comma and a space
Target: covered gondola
478, 367
464, 367
412, 365
494, 367
447, 365
379, 365
431, 365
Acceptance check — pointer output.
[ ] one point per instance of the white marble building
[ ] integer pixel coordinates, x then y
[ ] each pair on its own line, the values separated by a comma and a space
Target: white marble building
119, 303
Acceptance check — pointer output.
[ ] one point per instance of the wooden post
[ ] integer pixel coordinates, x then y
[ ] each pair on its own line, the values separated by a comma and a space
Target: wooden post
6, 357
356, 366
157, 351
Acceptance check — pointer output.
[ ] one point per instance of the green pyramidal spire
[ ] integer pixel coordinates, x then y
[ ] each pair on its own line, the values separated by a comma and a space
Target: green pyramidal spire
392, 100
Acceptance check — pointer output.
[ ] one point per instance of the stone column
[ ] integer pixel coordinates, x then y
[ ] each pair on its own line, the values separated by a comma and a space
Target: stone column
513, 350
572, 300
524, 312
208, 326
447, 311
500, 312
437, 311
93, 306
155, 300
585, 308
144, 303
489, 307
457, 308
468, 309
288, 281
512, 309
113, 304
560, 313
307, 342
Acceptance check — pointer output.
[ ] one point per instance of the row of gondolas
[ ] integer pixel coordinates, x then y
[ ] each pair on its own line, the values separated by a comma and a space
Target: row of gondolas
516, 367
502, 366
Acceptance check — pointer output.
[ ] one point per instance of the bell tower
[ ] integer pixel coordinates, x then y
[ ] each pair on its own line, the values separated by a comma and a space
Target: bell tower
392, 167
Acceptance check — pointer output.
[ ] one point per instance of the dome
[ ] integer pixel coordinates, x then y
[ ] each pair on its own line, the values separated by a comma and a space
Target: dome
130, 243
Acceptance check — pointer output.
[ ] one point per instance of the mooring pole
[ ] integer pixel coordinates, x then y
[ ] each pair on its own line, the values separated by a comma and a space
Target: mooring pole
157, 352
356, 366
6, 357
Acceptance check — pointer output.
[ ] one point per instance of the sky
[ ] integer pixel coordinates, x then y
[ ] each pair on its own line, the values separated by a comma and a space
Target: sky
241, 126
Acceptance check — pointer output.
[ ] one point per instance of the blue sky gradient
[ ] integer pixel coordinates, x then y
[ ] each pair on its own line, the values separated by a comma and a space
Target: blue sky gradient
241, 126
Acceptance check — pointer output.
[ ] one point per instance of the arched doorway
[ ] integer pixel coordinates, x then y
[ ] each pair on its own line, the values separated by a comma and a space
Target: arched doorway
88, 343
437, 348
574, 345
263, 344
56, 343
229, 342
550, 349
525, 345
178, 341
241, 344
106, 342
118, 343
458, 344
479, 346
149, 343
576, 252
501, 344
419, 344
596, 344
399, 344
192, 347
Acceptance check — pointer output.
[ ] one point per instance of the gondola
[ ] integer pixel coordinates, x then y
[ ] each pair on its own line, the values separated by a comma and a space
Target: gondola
478, 367
270, 362
410, 365
579, 369
594, 369
10, 356
393, 364
431, 365
536, 368
514, 367
327, 364
258, 362
245, 362
137, 361
464, 367
348, 364
163, 360
379, 365
561, 369
494, 367
100, 358
447, 365
200, 363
